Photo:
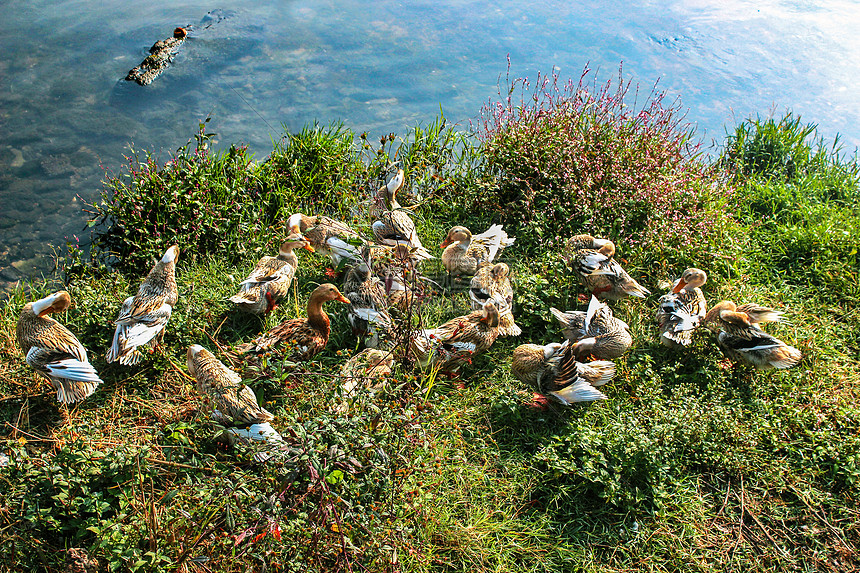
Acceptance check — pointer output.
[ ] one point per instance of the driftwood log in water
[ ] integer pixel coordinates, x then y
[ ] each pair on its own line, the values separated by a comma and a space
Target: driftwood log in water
160, 56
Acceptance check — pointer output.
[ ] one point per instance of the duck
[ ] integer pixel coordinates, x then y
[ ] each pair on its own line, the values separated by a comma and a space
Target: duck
331, 237
367, 311
555, 371
680, 311
144, 316
234, 401
491, 281
396, 268
271, 278
368, 367
592, 261
454, 343
595, 332
308, 335
463, 252
743, 341
385, 261
393, 225
53, 351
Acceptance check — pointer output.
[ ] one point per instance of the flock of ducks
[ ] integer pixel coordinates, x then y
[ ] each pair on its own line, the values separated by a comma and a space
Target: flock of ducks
380, 285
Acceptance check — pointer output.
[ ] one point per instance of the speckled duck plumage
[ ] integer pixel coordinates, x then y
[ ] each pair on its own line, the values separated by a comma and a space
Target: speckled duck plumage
53, 351
393, 225
492, 282
232, 399
308, 335
680, 311
595, 332
464, 253
593, 262
328, 236
144, 316
554, 370
271, 278
455, 342
742, 340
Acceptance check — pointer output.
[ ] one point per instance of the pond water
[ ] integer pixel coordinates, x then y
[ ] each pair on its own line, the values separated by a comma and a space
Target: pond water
381, 66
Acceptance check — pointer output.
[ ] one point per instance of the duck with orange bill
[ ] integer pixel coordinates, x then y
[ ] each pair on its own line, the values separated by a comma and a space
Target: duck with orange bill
593, 262
464, 252
330, 237
680, 311
271, 278
307, 336
742, 340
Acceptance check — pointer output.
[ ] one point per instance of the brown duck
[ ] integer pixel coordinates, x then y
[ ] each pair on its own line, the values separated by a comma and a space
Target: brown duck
53, 351
741, 339
554, 370
681, 310
492, 282
144, 316
393, 225
307, 335
464, 252
592, 260
367, 311
595, 332
270, 280
328, 236
368, 367
232, 399
452, 344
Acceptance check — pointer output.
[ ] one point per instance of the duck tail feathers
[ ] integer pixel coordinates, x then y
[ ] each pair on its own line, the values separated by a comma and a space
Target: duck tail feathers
580, 391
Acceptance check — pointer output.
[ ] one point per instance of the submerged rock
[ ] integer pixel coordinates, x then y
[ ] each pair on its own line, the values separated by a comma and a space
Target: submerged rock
17, 157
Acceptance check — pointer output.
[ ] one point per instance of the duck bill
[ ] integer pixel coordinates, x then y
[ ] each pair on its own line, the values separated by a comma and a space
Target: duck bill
343, 299
307, 246
679, 287
445, 243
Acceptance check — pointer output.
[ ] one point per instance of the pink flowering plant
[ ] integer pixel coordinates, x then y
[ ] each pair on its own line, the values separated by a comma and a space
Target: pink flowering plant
580, 157
198, 198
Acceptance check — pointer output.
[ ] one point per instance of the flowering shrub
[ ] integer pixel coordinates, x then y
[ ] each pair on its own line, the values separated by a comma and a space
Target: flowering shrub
221, 202
205, 201
578, 158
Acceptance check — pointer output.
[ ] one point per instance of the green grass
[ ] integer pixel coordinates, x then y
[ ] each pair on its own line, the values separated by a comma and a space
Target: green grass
692, 464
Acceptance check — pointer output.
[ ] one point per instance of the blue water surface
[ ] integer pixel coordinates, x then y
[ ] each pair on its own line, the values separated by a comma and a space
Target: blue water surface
258, 68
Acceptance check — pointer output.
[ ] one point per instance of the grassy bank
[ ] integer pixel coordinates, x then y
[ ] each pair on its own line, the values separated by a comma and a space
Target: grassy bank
691, 464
